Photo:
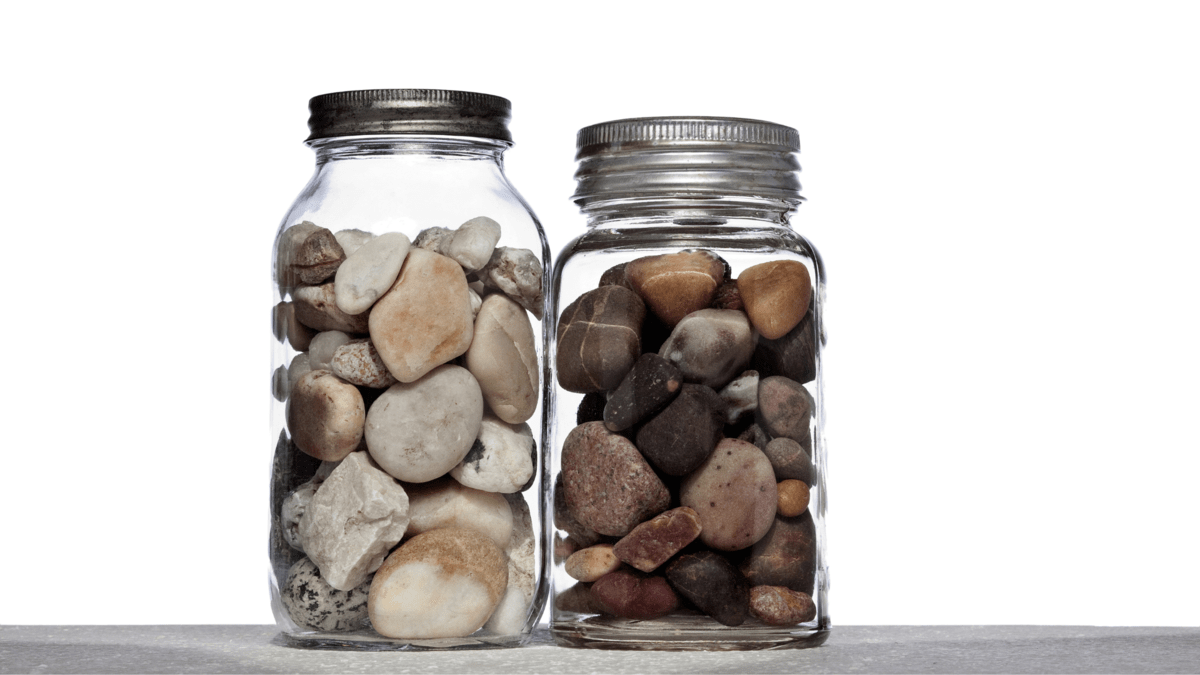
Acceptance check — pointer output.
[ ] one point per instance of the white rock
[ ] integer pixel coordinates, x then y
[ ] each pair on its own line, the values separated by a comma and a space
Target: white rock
316, 307
298, 368
434, 239
516, 272
501, 460
513, 611
315, 605
473, 242
740, 396
370, 272
357, 362
352, 240
320, 351
503, 358
357, 515
446, 503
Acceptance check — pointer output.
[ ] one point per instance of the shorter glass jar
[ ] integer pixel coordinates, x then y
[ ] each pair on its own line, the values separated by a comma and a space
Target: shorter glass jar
686, 449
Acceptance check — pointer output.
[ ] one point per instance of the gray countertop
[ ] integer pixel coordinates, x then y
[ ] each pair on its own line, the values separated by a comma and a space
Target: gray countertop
850, 649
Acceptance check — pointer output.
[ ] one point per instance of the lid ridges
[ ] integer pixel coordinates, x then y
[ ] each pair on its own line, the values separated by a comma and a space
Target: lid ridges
684, 129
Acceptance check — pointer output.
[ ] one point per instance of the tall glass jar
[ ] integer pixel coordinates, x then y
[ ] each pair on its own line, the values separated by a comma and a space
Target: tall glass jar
408, 353
686, 452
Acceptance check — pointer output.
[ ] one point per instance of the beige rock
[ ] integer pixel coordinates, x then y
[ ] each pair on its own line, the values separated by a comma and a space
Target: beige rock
591, 563
317, 308
325, 415
370, 272
446, 503
298, 368
357, 362
513, 611
710, 346
317, 257
323, 346
472, 243
286, 245
676, 284
735, 495
288, 327
503, 357
775, 295
516, 272
351, 240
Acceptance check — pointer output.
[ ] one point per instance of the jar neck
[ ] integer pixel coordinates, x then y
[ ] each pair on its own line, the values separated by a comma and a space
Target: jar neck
435, 147
708, 210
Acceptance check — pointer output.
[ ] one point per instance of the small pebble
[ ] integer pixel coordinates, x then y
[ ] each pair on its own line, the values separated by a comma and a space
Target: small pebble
472, 243
740, 396
789, 460
615, 276
793, 498
727, 296
285, 254
794, 355
785, 409
317, 257
712, 584
358, 362
779, 606
591, 563
503, 358
297, 368
516, 272
351, 240
316, 307
320, 352
434, 239
501, 459
786, 556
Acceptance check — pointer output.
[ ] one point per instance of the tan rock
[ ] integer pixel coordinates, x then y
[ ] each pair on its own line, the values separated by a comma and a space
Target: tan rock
793, 497
775, 295
503, 357
358, 363
325, 415
317, 257
591, 563
316, 307
676, 284
781, 606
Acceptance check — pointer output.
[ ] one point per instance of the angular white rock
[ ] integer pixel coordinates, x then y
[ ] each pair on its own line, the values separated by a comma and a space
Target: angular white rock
446, 503
370, 272
510, 615
295, 504
740, 396
501, 460
352, 240
517, 273
359, 363
320, 351
503, 358
472, 243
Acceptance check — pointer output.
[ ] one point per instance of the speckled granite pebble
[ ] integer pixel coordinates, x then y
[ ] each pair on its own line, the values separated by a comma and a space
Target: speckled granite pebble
315, 605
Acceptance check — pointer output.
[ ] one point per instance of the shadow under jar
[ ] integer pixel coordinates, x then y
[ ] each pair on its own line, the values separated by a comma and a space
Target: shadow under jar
408, 354
686, 457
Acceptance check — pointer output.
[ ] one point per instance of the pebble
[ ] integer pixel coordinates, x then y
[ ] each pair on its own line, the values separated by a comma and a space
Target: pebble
325, 415
785, 409
591, 408
317, 257
420, 430
440, 584
358, 362
653, 542
473, 242
355, 517
433, 239
285, 254
794, 355
630, 594
317, 308
648, 387
789, 460
775, 296
712, 584
503, 358
679, 439
297, 368
512, 613
579, 534
370, 272
591, 563
740, 396
727, 296
320, 352
609, 487
351, 240
793, 498
599, 339
516, 272
734, 492
476, 301
579, 599
447, 503
288, 327
786, 556
779, 606
315, 605
615, 276
279, 384
676, 284
501, 460
710, 346
425, 319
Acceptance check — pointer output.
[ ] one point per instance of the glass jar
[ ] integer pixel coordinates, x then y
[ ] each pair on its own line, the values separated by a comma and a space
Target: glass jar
408, 349
687, 456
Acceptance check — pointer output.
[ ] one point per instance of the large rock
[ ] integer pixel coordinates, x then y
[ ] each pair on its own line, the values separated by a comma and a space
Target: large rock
775, 295
501, 460
599, 339
734, 492
710, 346
608, 486
676, 284
446, 503
513, 611
503, 358
370, 272
315, 605
325, 415
516, 272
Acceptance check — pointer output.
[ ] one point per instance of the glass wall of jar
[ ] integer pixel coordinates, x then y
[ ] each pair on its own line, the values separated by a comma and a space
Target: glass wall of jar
407, 361
687, 458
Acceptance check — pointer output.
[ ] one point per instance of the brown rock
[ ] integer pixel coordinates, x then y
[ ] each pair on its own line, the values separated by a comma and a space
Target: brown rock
790, 460
326, 415
676, 284
785, 409
579, 534
633, 595
713, 584
608, 486
591, 563
779, 606
316, 307
317, 257
793, 498
786, 556
775, 295
727, 296
653, 542
647, 388
599, 338
579, 600
710, 346
684, 434
734, 492
794, 355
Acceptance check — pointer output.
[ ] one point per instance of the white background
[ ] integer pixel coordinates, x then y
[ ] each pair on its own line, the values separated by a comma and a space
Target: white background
1006, 194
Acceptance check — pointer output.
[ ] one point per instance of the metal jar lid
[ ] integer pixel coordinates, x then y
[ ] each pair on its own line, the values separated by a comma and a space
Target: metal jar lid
686, 157
437, 112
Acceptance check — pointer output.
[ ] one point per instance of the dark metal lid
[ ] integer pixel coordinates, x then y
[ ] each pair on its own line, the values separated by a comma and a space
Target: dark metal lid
437, 112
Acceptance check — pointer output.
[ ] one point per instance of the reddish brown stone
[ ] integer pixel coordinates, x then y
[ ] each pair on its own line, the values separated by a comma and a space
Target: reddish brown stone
630, 594
653, 542
608, 486
786, 556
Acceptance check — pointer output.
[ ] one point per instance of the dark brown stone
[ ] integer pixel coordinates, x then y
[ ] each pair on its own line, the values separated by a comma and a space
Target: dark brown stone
653, 542
755, 435
794, 355
650, 385
615, 276
779, 606
591, 408
608, 486
785, 409
630, 594
599, 338
727, 296
786, 556
712, 584
790, 460
683, 435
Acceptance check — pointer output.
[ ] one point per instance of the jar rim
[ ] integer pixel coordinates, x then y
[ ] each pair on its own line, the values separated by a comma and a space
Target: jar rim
439, 112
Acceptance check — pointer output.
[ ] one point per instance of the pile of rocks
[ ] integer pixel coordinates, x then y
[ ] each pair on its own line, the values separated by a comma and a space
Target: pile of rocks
397, 500
686, 482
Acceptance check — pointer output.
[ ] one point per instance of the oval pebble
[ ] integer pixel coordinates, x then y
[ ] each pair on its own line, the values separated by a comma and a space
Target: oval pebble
325, 415
734, 492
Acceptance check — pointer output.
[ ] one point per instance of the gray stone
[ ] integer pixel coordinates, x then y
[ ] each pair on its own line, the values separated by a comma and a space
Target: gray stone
503, 358
785, 409
789, 460
365, 276
501, 460
315, 605
650, 385
794, 355
786, 556
317, 257
434, 239
710, 346
516, 272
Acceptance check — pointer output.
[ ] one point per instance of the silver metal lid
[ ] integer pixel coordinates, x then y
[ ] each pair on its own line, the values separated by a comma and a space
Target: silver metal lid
437, 112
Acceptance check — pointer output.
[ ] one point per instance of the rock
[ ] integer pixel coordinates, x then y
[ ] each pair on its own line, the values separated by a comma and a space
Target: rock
712, 584
599, 339
740, 396
365, 276
351, 240
286, 245
317, 308
710, 346
679, 439
434, 239
446, 503
564, 520
297, 368
675, 284
727, 296
653, 542
789, 460
615, 276
293, 511
476, 301
578, 599
325, 415
793, 498
516, 272
794, 355
735, 495
503, 358
472, 243
591, 563
443, 583
501, 459
513, 611
320, 352
355, 517
755, 435
591, 408
608, 486
785, 409
288, 327
420, 430
633, 595
775, 295
315, 605
317, 257
648, 387
786, 556
289, 469
779, 606
358, 362
279, 384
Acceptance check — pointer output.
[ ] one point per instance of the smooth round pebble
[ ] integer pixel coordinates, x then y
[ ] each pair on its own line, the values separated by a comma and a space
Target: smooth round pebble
591, 563
472, 243
447, 503
775, 295
325, 415
503, 358
734, 492
599, 339
786, 556
315, 605
710, 346
789, 460
793, 498
785, 409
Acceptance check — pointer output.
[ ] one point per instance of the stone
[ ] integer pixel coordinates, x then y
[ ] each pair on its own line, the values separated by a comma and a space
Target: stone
425, 319
793, 498
501, 459
630, 594
503, 358
290, 468
446, 503
365, 276
317, 308
325, 415
320, 352
293, 511
579, 599
710, 346
650, 385
288, 327
615, 276
608, 486
779, 606
434, 239
599, 339
315, 605
358, 362
351, 240
516, 272
286, 245
789, 460
418, 431
794, 355
297, 368
679, 439
653, 542
786, 556
591, 563
591, 408
735, 494
279, 384
775, 296
439, 584
785, 409
712, 584
356, 516
577, 532
727, 296
317, 257
476, 301
740, 396
472, 243
676, 284
755, 435
512, 613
